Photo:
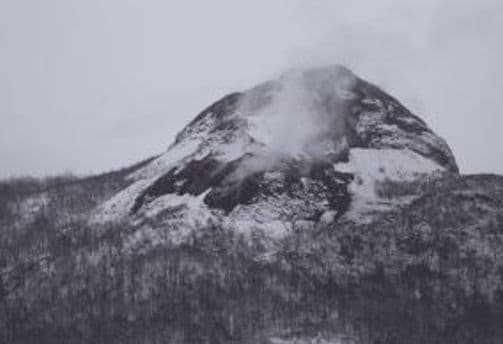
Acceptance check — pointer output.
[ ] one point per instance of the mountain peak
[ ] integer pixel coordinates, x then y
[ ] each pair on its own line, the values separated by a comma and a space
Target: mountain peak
286, 152
313, 112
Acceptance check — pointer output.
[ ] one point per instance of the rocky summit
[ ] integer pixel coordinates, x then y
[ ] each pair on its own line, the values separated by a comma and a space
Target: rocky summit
306, 148
314, 208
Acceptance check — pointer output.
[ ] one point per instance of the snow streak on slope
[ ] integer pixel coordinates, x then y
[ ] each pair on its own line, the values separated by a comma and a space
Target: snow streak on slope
117, 208
371, 166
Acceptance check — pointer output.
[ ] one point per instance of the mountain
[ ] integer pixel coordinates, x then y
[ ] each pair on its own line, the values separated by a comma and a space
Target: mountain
314, 208
309, 146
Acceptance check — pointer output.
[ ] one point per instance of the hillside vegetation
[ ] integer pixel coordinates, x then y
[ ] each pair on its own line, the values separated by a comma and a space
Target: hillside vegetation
430, 272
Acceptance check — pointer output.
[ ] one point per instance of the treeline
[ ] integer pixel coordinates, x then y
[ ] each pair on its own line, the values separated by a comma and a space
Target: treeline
16, 188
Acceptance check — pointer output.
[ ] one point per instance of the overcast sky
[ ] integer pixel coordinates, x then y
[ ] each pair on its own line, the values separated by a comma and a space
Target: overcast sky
91, 85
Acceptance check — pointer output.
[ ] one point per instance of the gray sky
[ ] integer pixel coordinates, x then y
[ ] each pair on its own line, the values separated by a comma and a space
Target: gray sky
91, 85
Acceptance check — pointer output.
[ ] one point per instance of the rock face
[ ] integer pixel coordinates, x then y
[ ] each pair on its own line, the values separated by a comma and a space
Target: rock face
288, 153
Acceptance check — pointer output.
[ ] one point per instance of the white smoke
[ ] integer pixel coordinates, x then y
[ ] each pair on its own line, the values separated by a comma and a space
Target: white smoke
302, 115
289, 121
305, 114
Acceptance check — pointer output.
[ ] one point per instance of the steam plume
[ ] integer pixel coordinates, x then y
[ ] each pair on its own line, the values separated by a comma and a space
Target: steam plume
302, 113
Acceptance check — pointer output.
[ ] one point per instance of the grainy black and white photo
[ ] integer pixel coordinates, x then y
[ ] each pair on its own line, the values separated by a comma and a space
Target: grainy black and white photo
251, 172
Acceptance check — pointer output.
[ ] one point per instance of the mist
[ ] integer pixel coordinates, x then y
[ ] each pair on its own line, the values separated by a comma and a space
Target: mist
304, 109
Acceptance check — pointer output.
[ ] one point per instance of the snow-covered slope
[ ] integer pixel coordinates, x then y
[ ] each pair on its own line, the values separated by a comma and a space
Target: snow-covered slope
306, 148
373, 166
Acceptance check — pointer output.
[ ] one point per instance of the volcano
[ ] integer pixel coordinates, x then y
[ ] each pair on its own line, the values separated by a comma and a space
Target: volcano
310, 146
314, 208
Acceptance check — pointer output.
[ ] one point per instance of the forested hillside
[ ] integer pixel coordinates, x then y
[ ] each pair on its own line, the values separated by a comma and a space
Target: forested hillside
430, 272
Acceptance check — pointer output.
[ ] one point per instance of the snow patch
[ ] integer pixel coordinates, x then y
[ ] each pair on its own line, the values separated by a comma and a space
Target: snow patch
167, 160
370, 166
117, 208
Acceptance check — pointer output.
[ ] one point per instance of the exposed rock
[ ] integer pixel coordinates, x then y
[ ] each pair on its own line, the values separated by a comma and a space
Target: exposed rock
286, 140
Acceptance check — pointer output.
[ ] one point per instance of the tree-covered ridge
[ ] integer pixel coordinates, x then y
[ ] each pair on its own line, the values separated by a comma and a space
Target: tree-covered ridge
427, 272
